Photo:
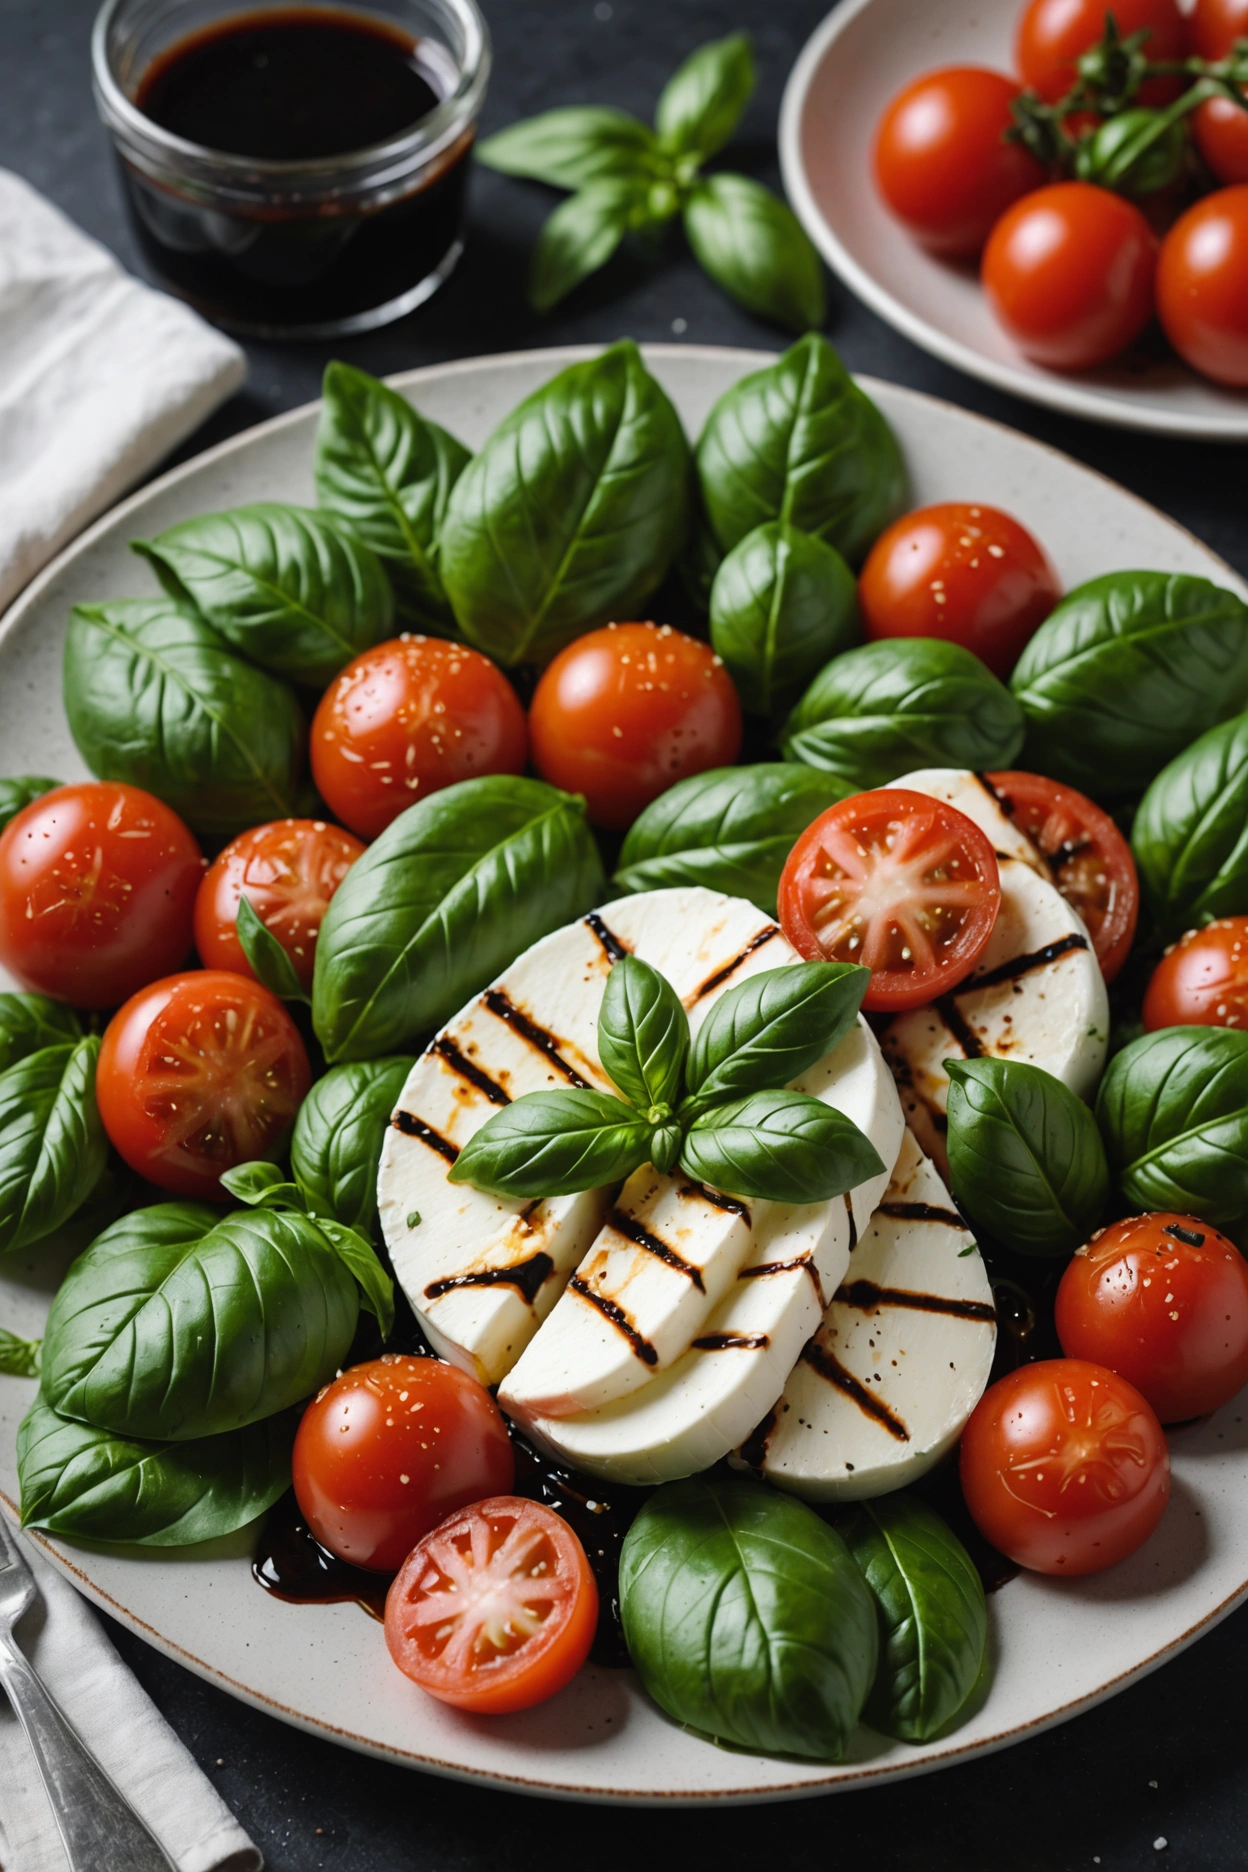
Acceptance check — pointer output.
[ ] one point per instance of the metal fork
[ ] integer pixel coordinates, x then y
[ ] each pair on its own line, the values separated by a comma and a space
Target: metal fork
100, 1829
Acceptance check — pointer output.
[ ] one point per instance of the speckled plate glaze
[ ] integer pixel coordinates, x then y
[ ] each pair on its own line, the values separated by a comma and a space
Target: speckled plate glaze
1059, 1647
854, 63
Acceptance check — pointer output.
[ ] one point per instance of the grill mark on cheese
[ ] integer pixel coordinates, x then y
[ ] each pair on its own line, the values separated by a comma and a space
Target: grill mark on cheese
920, 1212
853, 1225
731, 1342
1020, 965
618, 1318
528, 1277
505, 1009
414, 1127
633, 1231
754, 1449
865, 1294
822, 1361
612, 947
961, 1030
805, 1262
730, 968
728, 1204
995, 794
465, 1068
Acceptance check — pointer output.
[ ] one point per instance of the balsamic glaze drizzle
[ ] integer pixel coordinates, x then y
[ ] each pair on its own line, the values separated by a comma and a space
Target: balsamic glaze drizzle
505, 1009
618, 1318
460, 1064
865, 1294
528, 1277
730, 968
414, 1127
613, 948
633, 1231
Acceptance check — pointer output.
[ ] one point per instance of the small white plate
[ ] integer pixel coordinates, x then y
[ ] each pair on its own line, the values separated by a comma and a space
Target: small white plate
1060, 1646
861, 56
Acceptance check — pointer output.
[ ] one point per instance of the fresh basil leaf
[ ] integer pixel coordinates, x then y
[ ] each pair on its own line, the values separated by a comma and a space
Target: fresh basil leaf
746, 1618
783, 1146
730, 829
572, 512
1190, 835
581, 236
336, 1145
703, 101
19, 1358
1025, 1157
270, 963
83, 1483
1173, 1111
1125, 672
554, 1144
387, 471
155, 697
782, 605
800, 442
643, 1034
664, 1147
886, 708
52, 1143
932, 1614
753, 245
261, 1186
574, 147
450, 893
17, 793
773, 1027
288, 587
179, 1322
358, 1253
29, 1022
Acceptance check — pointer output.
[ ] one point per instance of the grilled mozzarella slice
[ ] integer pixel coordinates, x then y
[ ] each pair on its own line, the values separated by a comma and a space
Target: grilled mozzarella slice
973, 795
884, 1388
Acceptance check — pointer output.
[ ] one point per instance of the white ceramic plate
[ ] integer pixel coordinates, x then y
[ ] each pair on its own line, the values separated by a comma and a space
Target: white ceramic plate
856, 61
1060, 1647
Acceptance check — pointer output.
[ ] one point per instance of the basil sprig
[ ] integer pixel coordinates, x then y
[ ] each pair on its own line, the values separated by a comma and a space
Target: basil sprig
738, 1125
628, 178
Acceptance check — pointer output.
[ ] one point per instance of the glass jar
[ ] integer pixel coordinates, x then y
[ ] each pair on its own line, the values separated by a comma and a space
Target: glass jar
310, 248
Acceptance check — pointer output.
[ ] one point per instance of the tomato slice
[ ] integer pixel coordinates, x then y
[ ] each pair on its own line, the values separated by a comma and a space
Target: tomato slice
903, 884
496, 1609
288, 871
1090, 860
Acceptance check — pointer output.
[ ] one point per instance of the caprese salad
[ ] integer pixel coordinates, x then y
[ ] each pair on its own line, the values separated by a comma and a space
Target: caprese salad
726, 1266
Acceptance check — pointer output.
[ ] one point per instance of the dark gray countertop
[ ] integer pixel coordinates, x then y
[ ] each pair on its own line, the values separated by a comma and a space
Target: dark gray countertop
1155, 1777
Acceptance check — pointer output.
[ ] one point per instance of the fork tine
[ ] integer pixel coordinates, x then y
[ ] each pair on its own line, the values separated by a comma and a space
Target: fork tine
11, 1555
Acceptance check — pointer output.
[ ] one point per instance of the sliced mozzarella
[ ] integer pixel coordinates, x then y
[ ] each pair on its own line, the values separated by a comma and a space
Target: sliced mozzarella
1036, 994
886, 1385
973, 795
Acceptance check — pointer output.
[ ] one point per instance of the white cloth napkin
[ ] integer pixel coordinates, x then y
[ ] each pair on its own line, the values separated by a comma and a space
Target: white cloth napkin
124, 1731
99, 378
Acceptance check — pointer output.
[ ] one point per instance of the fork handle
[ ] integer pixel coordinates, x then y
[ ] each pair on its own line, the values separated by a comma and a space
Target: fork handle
100, 1829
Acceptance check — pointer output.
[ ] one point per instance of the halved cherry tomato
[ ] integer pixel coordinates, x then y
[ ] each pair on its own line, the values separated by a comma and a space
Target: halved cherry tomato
626, 711
496, 1609
391, 1447
97, 891
1064, 1467
1221, 132
288, 872
1090, 860
903, 884
1202, 980
968, 573
942, 163
1215, 25
197, 1073
1053, 33
1202, 286
1163, 1301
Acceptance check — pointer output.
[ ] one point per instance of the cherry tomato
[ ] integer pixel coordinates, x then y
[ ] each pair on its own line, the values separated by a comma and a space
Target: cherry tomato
1088, 857
496, 1609
969, 574
198, 1073
1163, 1301
1064, 1467
1069, 274
406, 719
1221, 132
97, 891
1202, 286
1202, 980
903, 884
288, 872
627, 711
1215, 25
1053, 33
389, 1448
941, 160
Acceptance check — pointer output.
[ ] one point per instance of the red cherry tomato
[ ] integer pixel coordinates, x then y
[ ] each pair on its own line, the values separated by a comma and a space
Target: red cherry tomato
494, 1611
1221, 132
970, 574
1163, 1301
627, 711
1202, 286
288, 872
406, 719
903, 884
1064, 1467
97, 891
1090, 861
1202, 980
1069, 274
388, 1449
1053, 33
941, 160
198, 1073
1215, 25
